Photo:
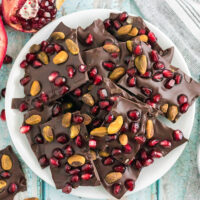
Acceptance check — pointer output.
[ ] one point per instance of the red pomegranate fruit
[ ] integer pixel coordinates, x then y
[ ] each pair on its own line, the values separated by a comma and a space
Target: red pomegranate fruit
29, 15
3, 43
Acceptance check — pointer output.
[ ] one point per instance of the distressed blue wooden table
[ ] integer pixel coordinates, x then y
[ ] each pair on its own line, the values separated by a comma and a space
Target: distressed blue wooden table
180, 183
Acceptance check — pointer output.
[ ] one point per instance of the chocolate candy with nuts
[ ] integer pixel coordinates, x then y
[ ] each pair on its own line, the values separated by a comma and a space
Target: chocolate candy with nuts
116, 177
94, 36
153, 80
66, 149
12, 178
54, 67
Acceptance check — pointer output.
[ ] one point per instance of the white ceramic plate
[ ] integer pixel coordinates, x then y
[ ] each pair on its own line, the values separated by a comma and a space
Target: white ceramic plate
15, 118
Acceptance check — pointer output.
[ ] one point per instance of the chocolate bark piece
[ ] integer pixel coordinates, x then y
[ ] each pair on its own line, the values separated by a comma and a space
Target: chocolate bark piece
12, 178
116, 136
94, 36
116, 178
66, 148
151, 79
138, 29
54, 69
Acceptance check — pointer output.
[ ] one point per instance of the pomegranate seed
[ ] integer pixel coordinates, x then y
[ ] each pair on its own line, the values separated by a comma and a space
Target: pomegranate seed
68, 150
135, 127
158, 77
130, 184
95, 110
44, 44
154, 56
131, 72
147, 74
140, 139
23, 107
77, 92
44, 97
182, 99
74, 171
117, 25
123, 16
156, 98
7, 59
153, 142
37, 64
64, 89
89, 39
156, 154
167, 73
109, 65
24, 129
37, 104
54, 162
166, 143
70, 71
12, 188
184, 107
108, 109
115, 54
56, 110
110, 118
114, 98
119, 168
75, 179
50, 49
116, 152
25, 80
159, 65
143, 155
178, 78
147, 162
104, 104
86, 176
87, 168
78, 119
151, 103
82, 68
102, 93
134, 114
43, 161
108, 161
96, 123
98, 79
137, 50
92, 143
138, 164
146, 91
67, 168
107, 23
5, 174
60, 81
93, 72
142, 31
127, 148
111, 138
3, 92
53, 76
23, 64
57, 47
152, 38
62, 139
79, 141
39, 139
116, 189
177, 135
131, 81
58, 154
30, 57
67, 189
170, 83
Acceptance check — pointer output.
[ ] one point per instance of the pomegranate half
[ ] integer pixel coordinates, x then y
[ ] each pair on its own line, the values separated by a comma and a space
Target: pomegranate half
3, 42
28, 15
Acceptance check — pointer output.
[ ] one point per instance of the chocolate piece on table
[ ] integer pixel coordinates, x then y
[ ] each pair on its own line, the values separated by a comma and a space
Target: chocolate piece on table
55, 69
116, 178
66, 149
12, 178
94, 36
116, 136
153, 80
125, 27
